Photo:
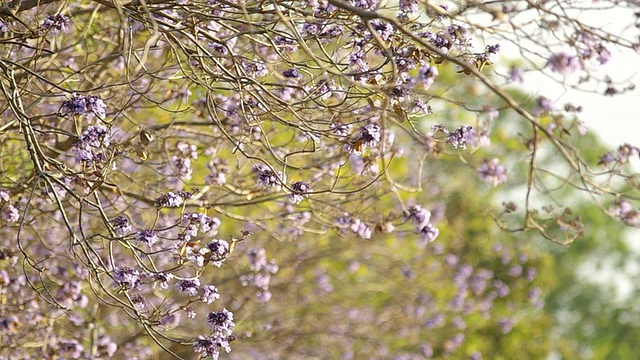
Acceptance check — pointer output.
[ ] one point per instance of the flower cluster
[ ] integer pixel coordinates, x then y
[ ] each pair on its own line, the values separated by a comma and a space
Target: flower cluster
260, 276
121, 225
267, 177
127, 277
88, 105
460, 137
170, 199
199, 221
346, 221
56, 23
492, 173
91, 144
300, 191
8, 212
218, 251
624, 153
421, 218
147, 237
182, 163
625, 212
564, 64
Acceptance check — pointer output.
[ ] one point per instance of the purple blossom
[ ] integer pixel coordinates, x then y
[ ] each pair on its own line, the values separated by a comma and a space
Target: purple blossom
408, 6
604, 55
106, 345
127, 277
9, 213
506, 324
502, 288
291, 73
384, 29
515, 270
285, 44
370, 134
460, 137
163, 278
139, 301
121, 225
189, 286
493, 49
219, 250
221, 322
492, 173
301, 190
563, 63
356, 225
56, 23
434, 321
323, 282
516, 75
210, 346
254, 68
169, 200
72, 349
530, 274
200, 221
418, 215
623, 210
267, 177
87, 105
257, 258
364, 4
425, 77
340, 129
209, 294
148, 237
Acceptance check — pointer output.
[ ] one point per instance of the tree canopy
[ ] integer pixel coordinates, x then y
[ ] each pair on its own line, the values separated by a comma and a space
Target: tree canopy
304, 179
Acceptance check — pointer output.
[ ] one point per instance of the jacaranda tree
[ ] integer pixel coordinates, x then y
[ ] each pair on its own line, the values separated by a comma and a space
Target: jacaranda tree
340, 178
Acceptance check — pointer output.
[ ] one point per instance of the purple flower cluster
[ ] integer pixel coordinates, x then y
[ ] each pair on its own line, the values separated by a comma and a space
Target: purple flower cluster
267, 177
199, 221
88, 105
292, 73
147, 237
346, 221
8, 212
188, 286
425, 77
127, 277
56, 23
564, 64
121, 225
460, 137
254, 69
169, 199
91, 144
421, 218
221, 322
182, 163
210, 346
218, 251
300, 191
492, 173
625, 212
210, 294
624, 153
370, 135
261, 271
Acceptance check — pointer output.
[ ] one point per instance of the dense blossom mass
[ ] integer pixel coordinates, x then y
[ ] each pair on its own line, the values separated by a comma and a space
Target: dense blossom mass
171, 167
